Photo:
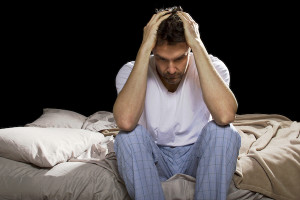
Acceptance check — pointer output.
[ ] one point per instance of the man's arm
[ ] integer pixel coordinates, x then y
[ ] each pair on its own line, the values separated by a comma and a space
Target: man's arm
130, 102
217, 96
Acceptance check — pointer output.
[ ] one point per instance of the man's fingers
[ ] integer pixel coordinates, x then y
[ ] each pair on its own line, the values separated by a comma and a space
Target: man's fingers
152, 18
182, 16
185, 16
155, 23
189, 17
163, 18
194, 23
185, 20
157, 16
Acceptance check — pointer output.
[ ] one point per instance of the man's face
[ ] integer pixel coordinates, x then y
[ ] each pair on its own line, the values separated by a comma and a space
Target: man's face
171, 63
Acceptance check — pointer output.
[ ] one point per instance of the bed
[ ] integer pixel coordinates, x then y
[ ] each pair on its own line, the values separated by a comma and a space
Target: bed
66, 155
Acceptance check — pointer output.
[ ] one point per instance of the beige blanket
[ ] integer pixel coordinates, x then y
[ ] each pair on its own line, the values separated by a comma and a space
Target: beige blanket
269, 159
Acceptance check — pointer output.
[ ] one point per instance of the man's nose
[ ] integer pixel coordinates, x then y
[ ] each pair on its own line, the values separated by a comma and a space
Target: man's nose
171, 68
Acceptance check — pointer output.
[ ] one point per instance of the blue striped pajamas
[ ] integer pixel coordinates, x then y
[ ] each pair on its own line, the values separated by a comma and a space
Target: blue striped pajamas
211, 160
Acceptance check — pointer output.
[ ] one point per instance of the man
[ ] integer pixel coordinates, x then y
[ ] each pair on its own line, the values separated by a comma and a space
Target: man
174, 108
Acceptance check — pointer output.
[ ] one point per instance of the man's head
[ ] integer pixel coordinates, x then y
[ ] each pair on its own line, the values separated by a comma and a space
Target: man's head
170, 30
171, 51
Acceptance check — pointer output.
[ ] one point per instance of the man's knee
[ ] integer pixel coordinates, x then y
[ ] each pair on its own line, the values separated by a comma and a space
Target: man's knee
227, 132
126, 139
126, 135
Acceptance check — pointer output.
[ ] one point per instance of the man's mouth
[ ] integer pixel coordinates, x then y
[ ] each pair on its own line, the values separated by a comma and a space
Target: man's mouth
172, 77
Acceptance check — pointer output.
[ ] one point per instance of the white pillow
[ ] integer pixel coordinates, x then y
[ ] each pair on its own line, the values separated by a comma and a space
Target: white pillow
58, 118
45, 147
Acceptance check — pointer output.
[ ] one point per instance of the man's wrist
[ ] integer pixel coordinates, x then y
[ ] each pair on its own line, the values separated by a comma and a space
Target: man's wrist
145, 50
197, 46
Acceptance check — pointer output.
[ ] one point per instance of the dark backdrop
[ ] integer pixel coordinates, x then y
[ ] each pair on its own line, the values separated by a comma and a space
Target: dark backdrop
66, 55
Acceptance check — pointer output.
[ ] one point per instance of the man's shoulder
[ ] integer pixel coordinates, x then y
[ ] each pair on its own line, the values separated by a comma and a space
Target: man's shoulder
214, 58
217, 62
126, 68
129, 64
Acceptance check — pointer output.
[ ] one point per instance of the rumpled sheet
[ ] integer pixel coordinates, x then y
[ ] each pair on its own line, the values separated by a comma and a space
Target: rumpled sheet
99, 121
269, 157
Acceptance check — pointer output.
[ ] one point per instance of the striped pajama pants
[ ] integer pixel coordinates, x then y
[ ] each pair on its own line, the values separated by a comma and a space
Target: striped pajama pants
143, 165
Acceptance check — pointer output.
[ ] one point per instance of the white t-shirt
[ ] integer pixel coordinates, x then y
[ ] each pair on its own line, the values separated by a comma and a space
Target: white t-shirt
174, 119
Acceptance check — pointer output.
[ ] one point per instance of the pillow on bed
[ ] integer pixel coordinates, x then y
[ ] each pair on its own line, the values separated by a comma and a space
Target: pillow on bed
45, 147
58, 118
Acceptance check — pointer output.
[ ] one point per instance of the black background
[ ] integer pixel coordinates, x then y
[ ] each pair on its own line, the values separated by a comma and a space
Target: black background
66, 55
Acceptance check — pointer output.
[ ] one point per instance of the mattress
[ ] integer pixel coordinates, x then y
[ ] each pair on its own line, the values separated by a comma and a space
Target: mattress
68, 180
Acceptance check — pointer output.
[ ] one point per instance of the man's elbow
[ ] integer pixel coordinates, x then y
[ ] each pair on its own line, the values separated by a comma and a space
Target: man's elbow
125, 125
124, 121
225, 119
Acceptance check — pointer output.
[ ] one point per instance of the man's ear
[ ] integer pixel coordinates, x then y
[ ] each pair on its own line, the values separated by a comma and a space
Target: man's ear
153, 51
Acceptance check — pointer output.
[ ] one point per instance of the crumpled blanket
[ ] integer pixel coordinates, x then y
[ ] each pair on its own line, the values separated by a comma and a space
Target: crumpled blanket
269, 157
103, 122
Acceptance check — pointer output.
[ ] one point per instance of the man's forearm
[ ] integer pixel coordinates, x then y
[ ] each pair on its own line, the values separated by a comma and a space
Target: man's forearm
130, 102
218, 97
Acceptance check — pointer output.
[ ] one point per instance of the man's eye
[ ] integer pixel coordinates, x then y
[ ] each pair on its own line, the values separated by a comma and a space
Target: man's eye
178, 59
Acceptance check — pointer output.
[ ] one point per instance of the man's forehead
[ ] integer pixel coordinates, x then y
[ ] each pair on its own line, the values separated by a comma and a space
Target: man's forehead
171, 56
169, 53
171, 45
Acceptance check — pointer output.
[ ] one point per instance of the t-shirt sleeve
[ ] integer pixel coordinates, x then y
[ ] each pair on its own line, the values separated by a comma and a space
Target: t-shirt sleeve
221, 69
123, 75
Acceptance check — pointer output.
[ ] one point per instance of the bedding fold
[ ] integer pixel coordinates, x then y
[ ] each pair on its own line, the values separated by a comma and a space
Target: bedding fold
269, 157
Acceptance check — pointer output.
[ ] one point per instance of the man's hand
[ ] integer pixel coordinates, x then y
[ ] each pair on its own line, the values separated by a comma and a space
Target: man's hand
191, 29
150, 30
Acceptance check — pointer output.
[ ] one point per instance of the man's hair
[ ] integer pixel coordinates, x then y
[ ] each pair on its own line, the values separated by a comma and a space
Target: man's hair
171, 29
